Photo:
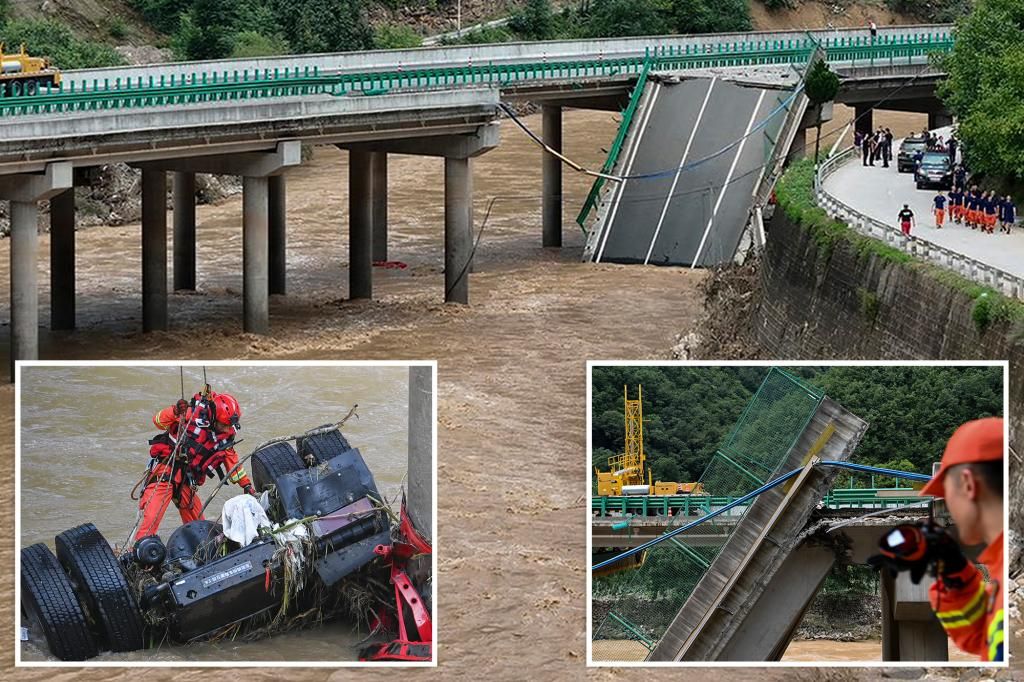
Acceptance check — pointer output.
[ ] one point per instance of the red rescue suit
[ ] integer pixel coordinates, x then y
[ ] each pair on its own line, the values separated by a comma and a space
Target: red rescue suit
203, 453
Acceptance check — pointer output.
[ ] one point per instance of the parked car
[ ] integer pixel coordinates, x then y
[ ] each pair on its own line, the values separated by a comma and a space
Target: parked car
934, 171
905, 156
85, 599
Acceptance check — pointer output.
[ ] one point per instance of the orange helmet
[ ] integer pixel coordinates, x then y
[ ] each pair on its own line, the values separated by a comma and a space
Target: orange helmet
228, 410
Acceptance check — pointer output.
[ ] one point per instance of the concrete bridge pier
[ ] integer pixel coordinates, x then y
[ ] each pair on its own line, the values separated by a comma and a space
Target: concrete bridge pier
552, 177
154, 250
277, 237
25, 191
458, 228
379, 190
255, 168
360, 224
184, 202
939, 118
865, 122
62, 260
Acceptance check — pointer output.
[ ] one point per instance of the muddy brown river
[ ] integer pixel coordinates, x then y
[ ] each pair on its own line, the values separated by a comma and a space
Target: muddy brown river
511, 433
84, 433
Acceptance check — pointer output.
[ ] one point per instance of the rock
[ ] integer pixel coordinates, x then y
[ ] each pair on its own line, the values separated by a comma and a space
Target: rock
144, 54
904, 673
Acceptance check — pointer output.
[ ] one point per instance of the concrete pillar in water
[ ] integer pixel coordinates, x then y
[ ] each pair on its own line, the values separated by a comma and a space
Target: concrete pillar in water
420, 503
939, 118
865, 119
24, 282
255, 268
360, 225
278, 209
458, 230
552, 177
379, 163
154, 250
62, 260
184, 191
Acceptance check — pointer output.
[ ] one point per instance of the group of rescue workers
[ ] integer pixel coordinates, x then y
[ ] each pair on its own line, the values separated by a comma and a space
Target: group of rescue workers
196, 442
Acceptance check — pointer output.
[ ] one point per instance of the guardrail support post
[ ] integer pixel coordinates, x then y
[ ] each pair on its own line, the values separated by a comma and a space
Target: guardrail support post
379, 164
277, 238
62, 260
154, 250
184, 192
458, 229
255, 269
552, 177
360, 225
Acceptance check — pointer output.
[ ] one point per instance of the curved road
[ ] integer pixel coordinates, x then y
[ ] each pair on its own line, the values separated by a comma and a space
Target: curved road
881, 192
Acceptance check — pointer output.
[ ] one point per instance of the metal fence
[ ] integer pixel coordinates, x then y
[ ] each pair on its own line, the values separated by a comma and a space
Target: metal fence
965, 266
632, 610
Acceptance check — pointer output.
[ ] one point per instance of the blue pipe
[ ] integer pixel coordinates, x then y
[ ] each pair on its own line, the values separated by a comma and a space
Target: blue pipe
767, 486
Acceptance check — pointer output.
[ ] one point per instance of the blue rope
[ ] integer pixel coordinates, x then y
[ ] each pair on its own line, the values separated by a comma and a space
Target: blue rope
767, 486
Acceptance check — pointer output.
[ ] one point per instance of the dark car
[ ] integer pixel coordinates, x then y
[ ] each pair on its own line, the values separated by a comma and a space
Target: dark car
934, 171
905, 157
86, 599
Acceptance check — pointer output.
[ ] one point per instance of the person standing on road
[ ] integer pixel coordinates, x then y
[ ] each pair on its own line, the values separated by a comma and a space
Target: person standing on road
873, 28
956, 201
906, 218
991, 212
1009, 214
951, 148
940, 209
858, 141
888, 147
971, 202
869, 149
960, 177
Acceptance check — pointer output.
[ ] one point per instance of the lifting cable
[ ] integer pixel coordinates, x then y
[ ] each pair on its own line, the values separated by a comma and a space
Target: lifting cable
767, 486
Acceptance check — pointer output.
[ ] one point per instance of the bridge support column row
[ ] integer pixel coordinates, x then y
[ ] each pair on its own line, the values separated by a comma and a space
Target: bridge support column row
360, 224
154, 250
551, 202
255, 254
184, 203
458, 229
865, 123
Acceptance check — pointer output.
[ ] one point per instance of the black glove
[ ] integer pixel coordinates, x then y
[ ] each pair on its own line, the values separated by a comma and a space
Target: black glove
918, 549
250, 490
944, 551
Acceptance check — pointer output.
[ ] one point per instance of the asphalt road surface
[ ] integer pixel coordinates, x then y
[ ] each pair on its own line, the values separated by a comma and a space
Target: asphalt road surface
881, 192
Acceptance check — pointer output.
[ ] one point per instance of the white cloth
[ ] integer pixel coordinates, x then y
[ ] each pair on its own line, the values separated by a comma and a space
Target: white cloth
242, 517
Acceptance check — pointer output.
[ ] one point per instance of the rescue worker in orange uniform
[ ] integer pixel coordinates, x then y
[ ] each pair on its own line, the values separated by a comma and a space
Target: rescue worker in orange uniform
970, 479
207, 428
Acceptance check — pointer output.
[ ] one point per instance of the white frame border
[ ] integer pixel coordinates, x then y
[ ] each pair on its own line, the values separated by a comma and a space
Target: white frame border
591, 364
18, 663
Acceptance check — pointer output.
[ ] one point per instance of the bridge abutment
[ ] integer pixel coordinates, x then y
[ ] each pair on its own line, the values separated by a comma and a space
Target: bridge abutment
360, 224
458, 228
939, 119
154, 250
62, 260
184, 203
277, 207
865, 122
552, 177
379, 190
255, 248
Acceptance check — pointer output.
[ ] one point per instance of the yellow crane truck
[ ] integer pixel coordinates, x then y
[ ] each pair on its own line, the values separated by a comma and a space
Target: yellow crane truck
21, 74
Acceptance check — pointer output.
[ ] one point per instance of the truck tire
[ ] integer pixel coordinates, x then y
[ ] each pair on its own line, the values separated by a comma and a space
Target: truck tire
323, 447
48, 602
31, 88
102, 587
14, 88
274, 461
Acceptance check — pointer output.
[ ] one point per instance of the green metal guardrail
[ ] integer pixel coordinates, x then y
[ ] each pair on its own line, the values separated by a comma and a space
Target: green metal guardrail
226, 86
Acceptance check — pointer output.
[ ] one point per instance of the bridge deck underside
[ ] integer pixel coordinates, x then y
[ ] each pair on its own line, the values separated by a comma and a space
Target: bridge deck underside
694, 217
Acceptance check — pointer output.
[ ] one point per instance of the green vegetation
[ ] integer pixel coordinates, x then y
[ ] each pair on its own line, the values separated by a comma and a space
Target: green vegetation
795, 195
395, 37
117, 28
985, 88
937, 11
52, 39
250, 44
869, 304
688, 411
821, 86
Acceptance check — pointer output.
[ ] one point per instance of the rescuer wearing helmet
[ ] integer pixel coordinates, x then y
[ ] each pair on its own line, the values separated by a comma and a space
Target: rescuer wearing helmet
970, 479
206, 427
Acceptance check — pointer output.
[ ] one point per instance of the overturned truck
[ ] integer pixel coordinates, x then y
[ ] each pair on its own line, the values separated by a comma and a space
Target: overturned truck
332, 551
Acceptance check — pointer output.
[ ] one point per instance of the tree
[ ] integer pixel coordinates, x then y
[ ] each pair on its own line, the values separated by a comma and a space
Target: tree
52, 39
324, 25
395, 37
207, 30
821, 86
613, 18
163, 15
985, 87
710, 16
536, 21
250, 44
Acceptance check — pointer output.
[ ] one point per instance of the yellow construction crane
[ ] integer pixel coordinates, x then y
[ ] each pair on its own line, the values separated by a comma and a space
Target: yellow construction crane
21, 74
628, 473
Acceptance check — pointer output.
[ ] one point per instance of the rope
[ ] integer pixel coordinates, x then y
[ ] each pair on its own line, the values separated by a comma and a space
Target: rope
767, 486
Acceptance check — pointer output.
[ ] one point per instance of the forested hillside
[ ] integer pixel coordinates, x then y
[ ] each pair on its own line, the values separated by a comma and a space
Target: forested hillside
688, 411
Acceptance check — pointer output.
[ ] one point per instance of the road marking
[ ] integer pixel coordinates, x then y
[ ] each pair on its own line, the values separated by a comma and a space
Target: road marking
629, 165
679, 170
728, 179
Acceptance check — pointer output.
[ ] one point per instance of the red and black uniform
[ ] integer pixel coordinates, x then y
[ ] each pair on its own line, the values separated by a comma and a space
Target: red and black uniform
204, 451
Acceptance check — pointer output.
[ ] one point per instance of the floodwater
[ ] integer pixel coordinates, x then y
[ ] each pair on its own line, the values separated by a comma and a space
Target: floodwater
84, 434
824, 650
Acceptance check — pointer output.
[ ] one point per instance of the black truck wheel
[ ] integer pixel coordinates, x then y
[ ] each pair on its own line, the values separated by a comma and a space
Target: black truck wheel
102, 587
323, 447
274, 461
48, 603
